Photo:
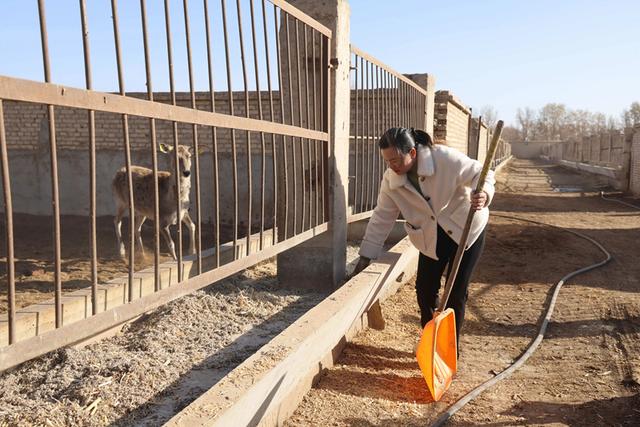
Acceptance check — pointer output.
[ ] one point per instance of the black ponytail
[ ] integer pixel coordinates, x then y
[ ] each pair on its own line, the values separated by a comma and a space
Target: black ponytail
404, 139
421, 137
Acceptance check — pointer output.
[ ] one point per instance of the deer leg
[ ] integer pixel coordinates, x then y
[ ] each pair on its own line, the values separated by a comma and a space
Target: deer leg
172, 247
117, 222
139, 221
192, 231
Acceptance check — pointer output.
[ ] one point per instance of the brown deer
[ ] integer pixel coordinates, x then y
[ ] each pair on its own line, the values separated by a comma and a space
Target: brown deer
142, 179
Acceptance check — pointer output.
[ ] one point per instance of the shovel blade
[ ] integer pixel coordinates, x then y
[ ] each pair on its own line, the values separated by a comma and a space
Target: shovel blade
436, 353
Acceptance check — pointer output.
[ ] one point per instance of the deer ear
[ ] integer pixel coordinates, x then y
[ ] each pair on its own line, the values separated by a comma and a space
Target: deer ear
165, 148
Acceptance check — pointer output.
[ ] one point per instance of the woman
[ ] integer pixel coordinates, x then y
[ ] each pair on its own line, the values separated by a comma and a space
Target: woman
431, 185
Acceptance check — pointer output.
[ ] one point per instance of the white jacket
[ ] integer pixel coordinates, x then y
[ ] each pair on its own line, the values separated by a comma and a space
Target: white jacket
447, 178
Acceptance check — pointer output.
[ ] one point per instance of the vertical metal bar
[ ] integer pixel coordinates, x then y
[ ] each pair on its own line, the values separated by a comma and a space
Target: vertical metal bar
388, 104
246, 108
315, 126
393, 105
300, 140
378, 133
355, 139
263, 159
154, 153
374, 131
127, 151
469, 128
92, 161
417, 107
413, 108
233, 132
214, 135
196, 149
410, 108
398, 122
405, 116
401, 121
324, 117
405, 106
306, 77
384, 109
272, 118
385, 115
381, 123
363, 141
374, 153
293, 149
407, 99
478, 137
282, 120
369, 133
55, 199
176, 158
408, 102
8, 218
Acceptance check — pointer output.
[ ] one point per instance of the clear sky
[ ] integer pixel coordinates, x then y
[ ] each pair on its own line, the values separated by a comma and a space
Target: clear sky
504, 53
511, 53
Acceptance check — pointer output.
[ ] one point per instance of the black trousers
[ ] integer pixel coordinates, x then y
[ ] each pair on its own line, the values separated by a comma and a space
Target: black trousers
430, 271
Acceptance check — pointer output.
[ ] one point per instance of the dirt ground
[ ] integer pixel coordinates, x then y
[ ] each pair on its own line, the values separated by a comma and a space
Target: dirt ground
33, 237
586, 371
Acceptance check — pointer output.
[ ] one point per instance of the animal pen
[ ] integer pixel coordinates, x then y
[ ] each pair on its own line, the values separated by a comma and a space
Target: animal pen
261, 143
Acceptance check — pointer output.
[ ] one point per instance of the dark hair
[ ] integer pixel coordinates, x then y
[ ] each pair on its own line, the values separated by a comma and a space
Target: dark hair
404, 139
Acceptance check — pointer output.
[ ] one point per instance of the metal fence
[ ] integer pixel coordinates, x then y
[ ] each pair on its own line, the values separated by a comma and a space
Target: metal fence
288, 138
380, 98
254, 122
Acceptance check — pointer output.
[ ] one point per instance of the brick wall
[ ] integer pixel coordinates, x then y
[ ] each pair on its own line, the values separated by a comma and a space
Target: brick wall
452, 121
27, 124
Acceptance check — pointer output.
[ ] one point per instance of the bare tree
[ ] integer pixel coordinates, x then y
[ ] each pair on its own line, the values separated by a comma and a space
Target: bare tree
555, 122
551, 119
526, 120
510, 133
631, 117
489, 116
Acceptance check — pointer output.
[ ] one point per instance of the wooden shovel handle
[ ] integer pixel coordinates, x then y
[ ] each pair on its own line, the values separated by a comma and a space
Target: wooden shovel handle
467, 226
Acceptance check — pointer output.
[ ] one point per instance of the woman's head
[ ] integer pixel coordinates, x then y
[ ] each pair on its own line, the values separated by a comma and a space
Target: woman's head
398, 147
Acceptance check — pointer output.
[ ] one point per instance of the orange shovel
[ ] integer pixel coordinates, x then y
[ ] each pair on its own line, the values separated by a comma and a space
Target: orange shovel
437, 349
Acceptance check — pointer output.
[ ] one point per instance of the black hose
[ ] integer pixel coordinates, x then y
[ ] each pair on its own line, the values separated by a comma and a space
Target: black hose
618, 201
543, 327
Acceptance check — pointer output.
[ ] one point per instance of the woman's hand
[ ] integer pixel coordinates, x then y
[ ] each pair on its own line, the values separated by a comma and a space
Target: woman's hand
478, 200
363, 263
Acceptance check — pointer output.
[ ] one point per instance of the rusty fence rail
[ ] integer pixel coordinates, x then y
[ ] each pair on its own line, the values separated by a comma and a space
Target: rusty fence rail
278, 119
503, 152
380, 98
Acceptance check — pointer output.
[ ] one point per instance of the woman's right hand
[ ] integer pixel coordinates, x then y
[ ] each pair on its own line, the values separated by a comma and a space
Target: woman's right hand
363, 263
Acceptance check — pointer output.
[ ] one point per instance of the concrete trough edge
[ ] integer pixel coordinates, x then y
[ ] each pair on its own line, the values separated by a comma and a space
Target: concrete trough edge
254, 394
599, 170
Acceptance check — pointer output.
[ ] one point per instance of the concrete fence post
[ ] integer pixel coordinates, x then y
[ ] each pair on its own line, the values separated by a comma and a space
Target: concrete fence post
320, 263
627, 166
634, 162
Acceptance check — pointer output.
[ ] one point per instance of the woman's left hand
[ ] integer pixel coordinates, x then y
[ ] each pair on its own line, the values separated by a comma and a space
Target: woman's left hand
478, 200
